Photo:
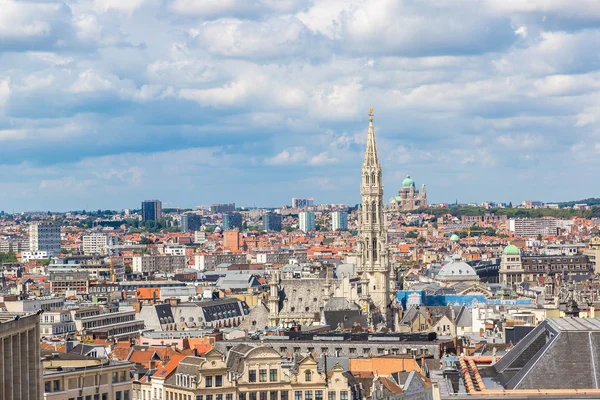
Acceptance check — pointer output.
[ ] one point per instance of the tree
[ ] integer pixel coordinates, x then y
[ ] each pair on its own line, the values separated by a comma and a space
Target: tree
539, 237
8, 258
411, 235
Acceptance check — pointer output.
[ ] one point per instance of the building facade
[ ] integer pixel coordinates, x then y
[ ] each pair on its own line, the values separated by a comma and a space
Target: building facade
306, 221
302, 203
232, 221
44, 237
70, 376
516, 268
271, 222
222, 208
190, 222
20, 372
151, 210
339, 221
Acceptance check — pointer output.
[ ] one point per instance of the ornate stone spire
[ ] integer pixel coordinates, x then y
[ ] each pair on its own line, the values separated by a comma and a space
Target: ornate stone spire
371, 158
373, 265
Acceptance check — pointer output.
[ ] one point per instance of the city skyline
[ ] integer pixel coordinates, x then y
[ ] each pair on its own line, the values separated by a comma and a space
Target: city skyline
105, 104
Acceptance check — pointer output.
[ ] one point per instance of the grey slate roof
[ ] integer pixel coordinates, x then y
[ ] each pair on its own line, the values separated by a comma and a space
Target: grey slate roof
560, 353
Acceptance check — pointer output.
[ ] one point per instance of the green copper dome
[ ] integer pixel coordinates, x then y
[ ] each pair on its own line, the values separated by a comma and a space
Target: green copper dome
454, 238
407, 182
511, 250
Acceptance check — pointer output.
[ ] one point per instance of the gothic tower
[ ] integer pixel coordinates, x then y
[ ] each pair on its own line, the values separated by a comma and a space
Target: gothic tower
377, 279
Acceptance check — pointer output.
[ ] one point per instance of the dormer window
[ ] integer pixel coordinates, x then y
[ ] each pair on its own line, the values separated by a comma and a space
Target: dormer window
307, 375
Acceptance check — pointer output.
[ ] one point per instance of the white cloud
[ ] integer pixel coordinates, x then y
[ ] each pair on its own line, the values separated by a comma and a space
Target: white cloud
323, 159
89, 81
127, 6
292, 155
4, 91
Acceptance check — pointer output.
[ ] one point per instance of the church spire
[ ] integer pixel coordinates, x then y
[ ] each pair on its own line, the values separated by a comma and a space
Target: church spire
371, 158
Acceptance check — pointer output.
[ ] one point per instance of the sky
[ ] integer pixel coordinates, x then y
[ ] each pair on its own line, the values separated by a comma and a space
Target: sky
106, 103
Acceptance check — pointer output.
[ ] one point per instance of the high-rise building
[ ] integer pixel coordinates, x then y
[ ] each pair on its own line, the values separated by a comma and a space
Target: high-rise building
44, 237
302, 203
151, 210
306, 221
20, 367
222, 208
373, 268
95, 244
271, 222
190, 222
232, 221
339, 221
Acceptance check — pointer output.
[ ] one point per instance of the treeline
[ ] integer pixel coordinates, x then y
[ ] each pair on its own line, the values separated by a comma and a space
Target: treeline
511, 212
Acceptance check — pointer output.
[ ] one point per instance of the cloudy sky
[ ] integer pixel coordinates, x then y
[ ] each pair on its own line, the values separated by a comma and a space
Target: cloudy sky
106, 103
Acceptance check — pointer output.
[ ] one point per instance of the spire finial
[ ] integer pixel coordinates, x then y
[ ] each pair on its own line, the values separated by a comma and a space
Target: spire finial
371, 114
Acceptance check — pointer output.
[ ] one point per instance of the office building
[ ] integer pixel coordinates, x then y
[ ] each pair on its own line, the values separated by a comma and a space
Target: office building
149, 265
339, 221
307, 221
302, 203
516, 268
97, 244
232, 221
208, 262
20, 372
44, 237
530, 227
190, 222
74, 376
151, 210
271, 222
222, 208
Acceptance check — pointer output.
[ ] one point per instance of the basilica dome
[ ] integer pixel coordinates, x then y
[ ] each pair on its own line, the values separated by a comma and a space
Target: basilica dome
408, 182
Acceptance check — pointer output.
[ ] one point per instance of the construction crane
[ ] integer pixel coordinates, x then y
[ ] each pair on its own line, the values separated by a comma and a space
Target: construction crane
469, 230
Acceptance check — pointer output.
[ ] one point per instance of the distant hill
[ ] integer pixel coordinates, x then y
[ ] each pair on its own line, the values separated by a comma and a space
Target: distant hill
592, 201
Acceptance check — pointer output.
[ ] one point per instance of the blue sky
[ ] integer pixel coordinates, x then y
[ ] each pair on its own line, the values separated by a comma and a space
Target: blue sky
106, 103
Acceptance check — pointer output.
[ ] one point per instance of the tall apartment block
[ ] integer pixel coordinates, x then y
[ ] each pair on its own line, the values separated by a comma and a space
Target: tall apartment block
339, 221
20, 366
300, 203
271, 222
221, 208
190, 222
232, 221
151, 210
44, 237
307, 221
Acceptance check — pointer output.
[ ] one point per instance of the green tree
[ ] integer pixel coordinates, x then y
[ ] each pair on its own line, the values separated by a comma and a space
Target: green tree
8, 258
411, 235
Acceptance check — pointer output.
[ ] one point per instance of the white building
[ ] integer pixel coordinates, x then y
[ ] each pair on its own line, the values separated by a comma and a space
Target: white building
339, 221
208, 262
152, 264
174, 250
27, 256
538, 226
44, 237
307, 221
97, 244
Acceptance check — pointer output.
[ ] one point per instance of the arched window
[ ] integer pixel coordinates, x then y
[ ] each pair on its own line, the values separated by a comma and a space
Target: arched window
307, 376
373, 181
366, 213
373, 214
374, 248
367, 179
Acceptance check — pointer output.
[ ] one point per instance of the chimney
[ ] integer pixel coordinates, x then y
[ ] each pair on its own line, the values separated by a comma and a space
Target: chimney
137, 306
